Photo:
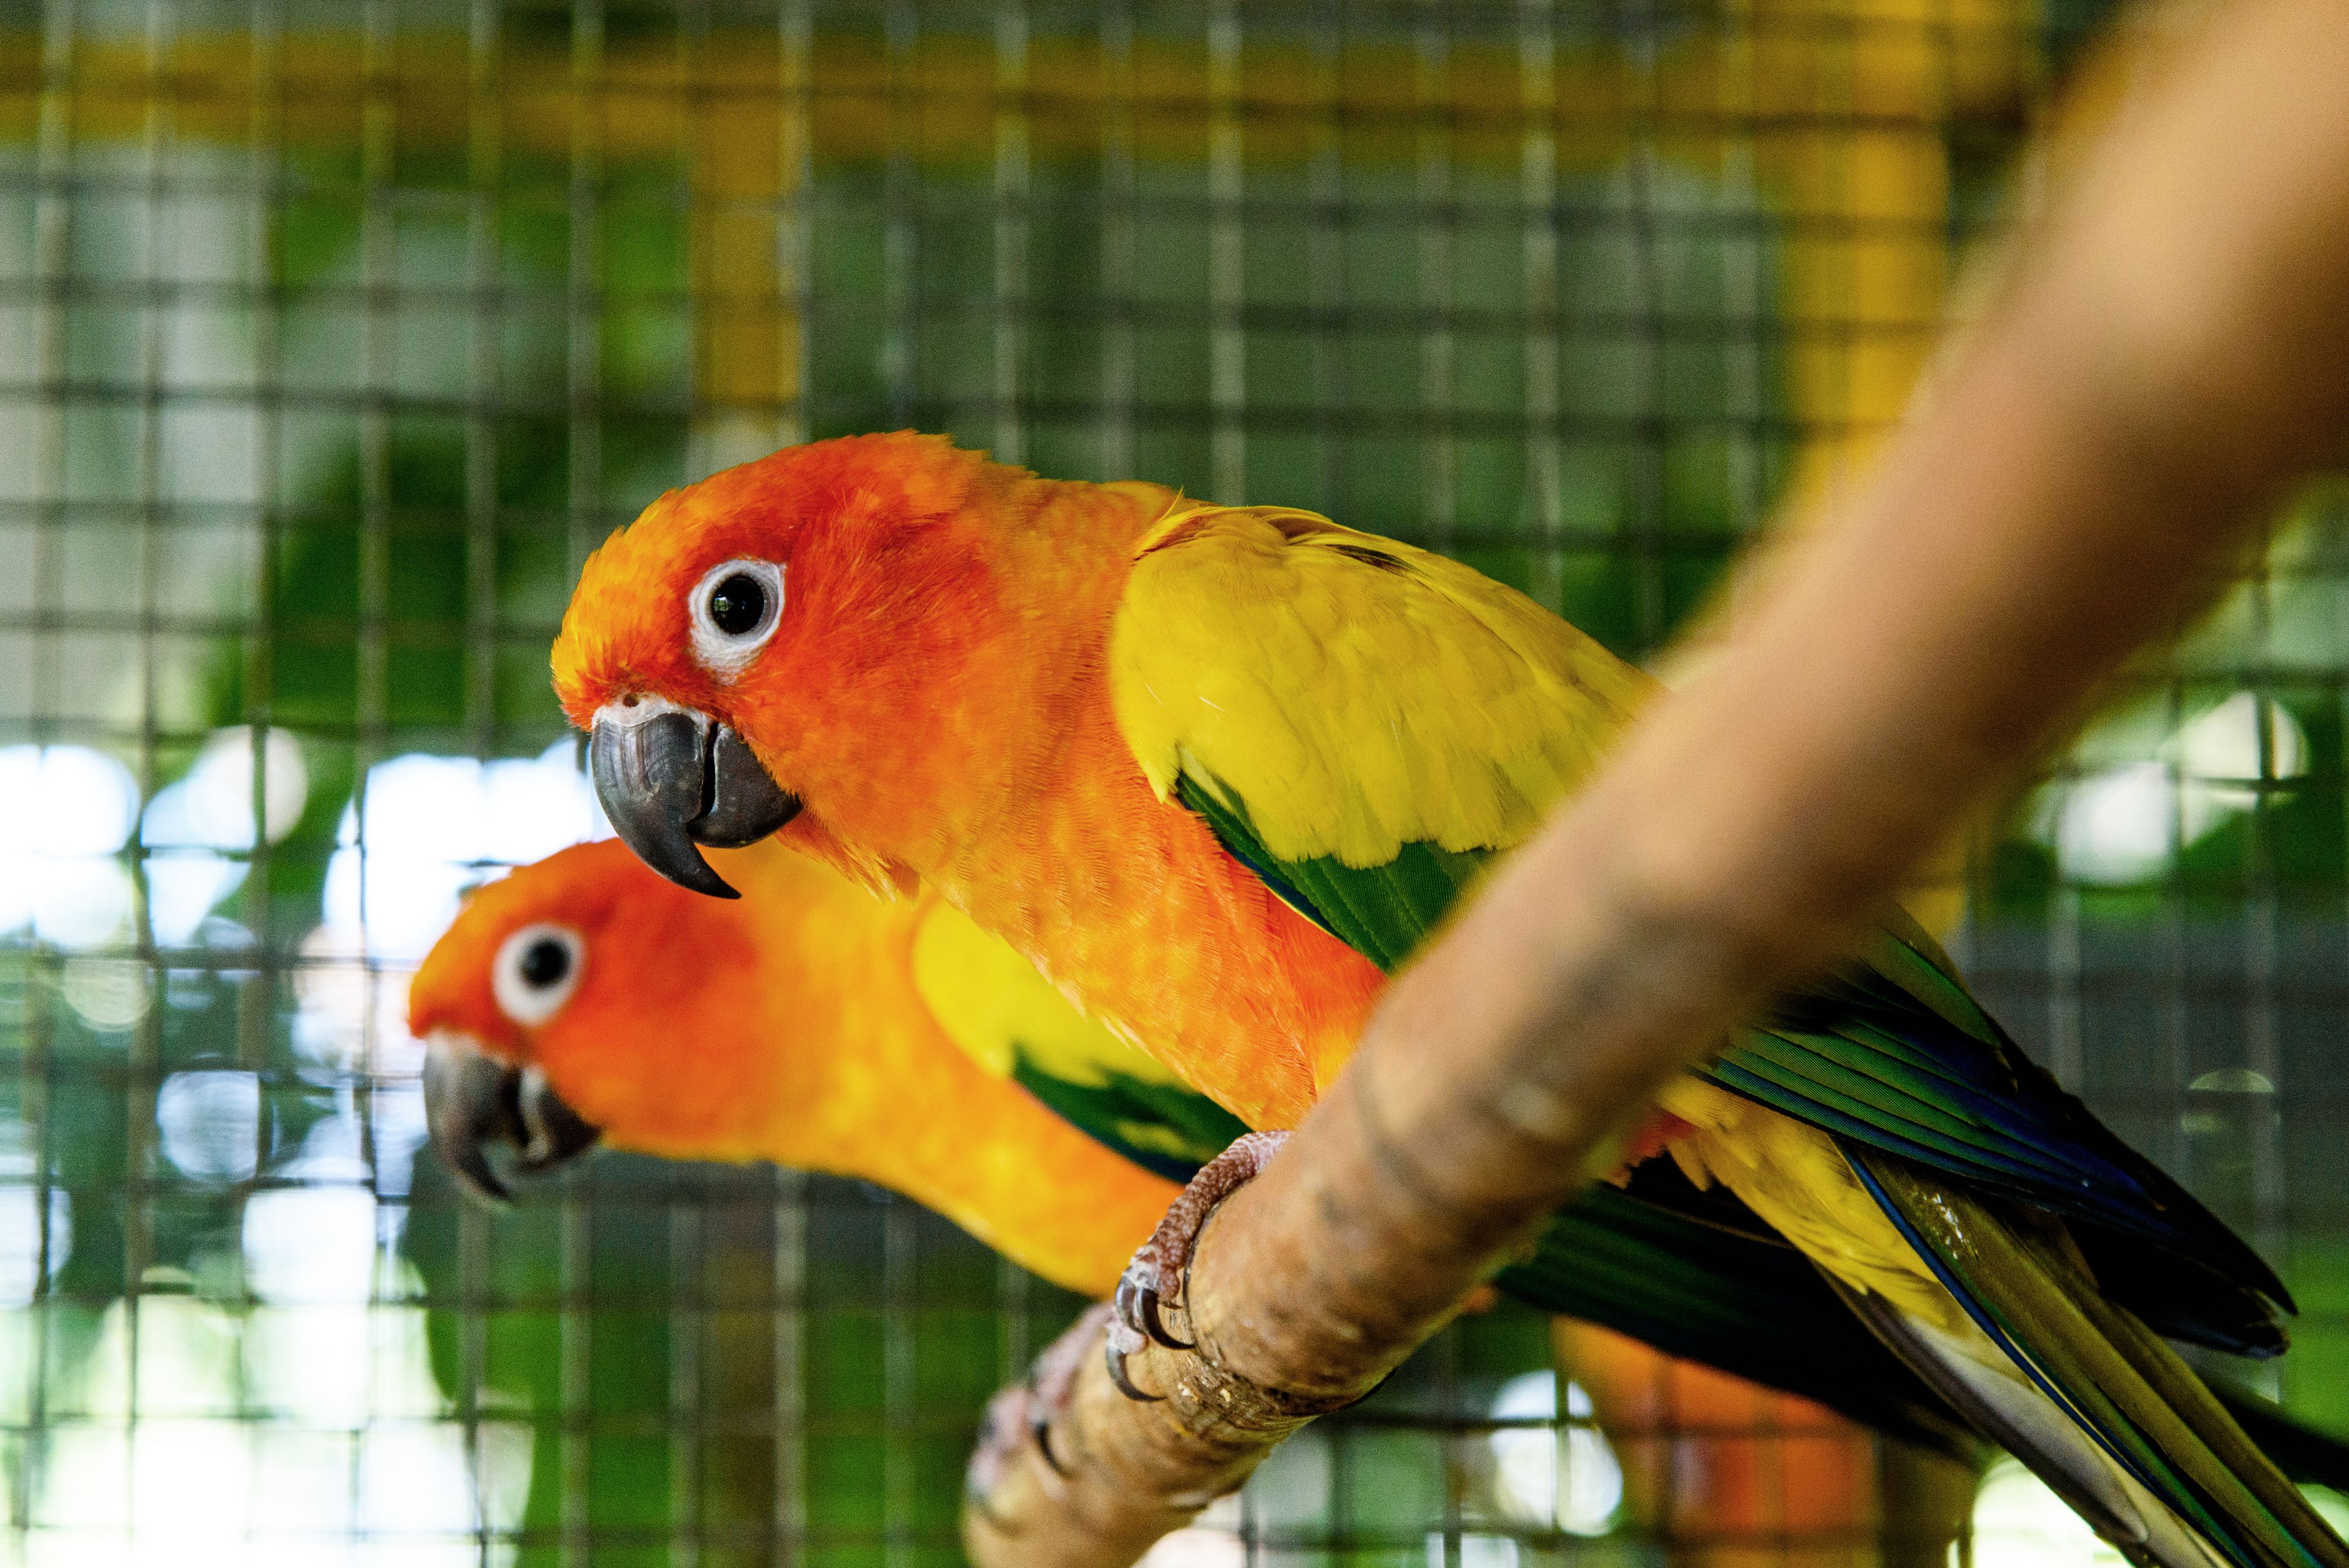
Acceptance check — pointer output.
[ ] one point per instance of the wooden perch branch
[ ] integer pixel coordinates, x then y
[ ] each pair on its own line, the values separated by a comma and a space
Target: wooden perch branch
1315, 1281
2175, 347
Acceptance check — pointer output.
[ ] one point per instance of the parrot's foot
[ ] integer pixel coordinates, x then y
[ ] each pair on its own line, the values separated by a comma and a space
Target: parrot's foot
1054, 1375
1001, 1431
1154, 1278
1023, 1412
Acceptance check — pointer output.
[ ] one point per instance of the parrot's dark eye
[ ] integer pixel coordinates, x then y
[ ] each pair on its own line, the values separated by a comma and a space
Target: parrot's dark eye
738, 604
536, 970
736, 607
544, 963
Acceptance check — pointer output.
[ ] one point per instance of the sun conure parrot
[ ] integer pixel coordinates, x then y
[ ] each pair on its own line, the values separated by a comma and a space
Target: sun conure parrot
584, 998
767, 1027
1215, 769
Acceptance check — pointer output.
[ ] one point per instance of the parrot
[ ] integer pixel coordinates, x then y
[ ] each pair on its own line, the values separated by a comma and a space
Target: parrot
897, 1042
1215, 770
582, 1000
517, 1004
585, 1001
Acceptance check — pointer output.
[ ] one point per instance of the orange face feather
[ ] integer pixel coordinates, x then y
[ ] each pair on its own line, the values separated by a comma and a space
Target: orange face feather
693, 1029
786, 1026
898, 660
935, 694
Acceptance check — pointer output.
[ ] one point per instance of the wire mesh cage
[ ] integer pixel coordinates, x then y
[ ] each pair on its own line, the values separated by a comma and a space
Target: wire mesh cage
331, 339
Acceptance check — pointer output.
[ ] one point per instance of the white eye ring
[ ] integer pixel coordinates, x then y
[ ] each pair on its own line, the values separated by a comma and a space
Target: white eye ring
726, 654
536, 970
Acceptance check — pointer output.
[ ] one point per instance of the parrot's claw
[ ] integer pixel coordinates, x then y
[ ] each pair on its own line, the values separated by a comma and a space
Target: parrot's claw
1137, 1304
1154, 1328
1123, 1343
1041, 1428
1154, 1279
1008, 1413
1054, 1376
1024, 1412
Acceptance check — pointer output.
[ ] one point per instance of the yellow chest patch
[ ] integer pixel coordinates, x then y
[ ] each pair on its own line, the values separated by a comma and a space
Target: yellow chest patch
992, 1002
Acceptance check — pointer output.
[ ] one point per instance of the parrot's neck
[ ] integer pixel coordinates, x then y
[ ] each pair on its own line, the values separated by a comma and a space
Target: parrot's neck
869, 1087
987, 1155
1015, 796
894, 776
1129, 902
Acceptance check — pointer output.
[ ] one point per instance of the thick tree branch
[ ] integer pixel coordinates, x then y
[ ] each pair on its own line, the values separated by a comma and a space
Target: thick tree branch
2174, 347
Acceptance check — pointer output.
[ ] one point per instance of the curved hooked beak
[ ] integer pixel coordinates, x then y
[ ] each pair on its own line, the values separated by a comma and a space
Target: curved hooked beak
672, 779
473, 1100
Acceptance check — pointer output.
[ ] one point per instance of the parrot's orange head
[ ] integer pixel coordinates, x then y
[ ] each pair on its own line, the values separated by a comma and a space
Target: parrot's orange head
585, 996
843, 634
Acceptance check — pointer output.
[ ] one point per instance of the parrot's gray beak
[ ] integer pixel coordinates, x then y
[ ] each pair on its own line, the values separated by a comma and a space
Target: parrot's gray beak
672, 779
473, 1100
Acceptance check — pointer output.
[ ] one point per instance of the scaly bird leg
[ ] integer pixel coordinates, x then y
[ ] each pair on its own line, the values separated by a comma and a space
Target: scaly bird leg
1155, 1275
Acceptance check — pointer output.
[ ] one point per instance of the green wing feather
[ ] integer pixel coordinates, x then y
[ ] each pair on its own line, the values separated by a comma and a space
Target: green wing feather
2014, 1275
1378, 911
1163, 1128
1740, 1302
1694, 1275
1895, 1056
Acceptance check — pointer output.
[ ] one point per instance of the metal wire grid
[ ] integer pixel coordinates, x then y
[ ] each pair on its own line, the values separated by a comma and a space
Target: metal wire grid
336, 337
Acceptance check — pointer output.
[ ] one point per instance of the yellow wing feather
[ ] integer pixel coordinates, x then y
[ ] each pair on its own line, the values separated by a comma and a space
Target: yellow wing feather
1795, 1178
988, 1000
1354, 693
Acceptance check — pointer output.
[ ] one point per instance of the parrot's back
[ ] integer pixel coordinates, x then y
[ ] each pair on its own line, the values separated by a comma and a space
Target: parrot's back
1364, 726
